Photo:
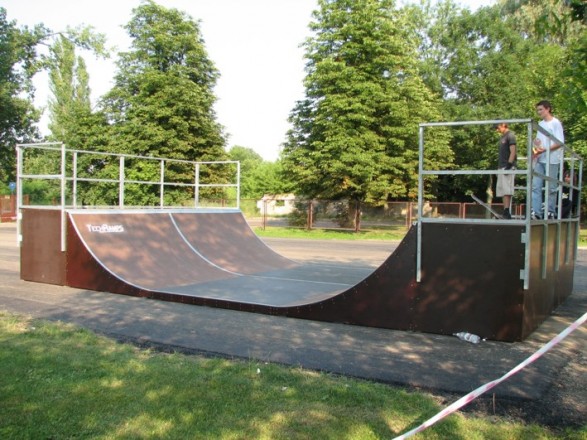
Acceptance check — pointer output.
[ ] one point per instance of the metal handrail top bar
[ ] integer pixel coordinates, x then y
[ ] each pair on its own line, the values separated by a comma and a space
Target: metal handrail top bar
471, 172
151, 210
485, 122
47, 146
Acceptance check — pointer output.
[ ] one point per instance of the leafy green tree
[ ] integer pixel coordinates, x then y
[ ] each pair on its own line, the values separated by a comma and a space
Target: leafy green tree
72, 120
249, 162
574, 96
355, 134
547, 21
564, 23
266, 178
69, 85
247, 157
486, 67
162, 100
258, 177
18, 64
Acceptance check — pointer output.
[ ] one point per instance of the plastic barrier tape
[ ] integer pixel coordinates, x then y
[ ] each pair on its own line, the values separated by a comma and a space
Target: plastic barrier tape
484, 388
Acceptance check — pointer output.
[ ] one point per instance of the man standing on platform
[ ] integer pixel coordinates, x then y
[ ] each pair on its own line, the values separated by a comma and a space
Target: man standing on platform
506, 161
542, 144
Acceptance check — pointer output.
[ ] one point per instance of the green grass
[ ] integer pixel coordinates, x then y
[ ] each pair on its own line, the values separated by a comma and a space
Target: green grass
391, 233
58, 381
583, 237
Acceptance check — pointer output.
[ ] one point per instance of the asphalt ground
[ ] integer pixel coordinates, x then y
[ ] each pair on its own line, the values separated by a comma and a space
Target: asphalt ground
433, 363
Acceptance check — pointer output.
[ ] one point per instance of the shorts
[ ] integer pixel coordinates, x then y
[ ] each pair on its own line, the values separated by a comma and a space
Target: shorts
505, 185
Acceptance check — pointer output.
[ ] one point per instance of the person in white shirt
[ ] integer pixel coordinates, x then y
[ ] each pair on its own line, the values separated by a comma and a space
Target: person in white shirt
542, 145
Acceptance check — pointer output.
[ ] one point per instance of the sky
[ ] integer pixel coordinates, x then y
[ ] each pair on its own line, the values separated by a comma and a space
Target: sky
255, 44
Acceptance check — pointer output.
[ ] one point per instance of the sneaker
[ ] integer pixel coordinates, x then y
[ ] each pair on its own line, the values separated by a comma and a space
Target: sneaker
506, 214
534, 216
551, 216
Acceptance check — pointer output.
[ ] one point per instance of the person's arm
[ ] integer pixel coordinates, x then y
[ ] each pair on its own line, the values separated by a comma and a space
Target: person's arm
559, 134
539, 147
512, 157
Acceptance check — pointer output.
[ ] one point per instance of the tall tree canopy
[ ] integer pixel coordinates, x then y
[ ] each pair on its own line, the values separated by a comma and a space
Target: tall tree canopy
162, 100
374, 70
20, 60
18, 64
258, 177
355, 134
495, 63
69, 85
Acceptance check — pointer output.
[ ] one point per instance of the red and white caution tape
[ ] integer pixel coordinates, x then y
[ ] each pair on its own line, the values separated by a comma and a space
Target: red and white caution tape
484, 388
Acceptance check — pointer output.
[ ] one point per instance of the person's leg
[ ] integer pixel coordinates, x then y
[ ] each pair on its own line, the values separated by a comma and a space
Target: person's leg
566, 208
552, 189
537, 183
507, 200
507, 191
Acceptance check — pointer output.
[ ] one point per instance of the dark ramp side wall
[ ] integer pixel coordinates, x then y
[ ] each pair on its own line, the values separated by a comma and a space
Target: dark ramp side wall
470, 278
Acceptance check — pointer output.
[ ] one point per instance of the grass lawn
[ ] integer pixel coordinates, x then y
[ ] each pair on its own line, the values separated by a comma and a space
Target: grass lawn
396, 233
58, 381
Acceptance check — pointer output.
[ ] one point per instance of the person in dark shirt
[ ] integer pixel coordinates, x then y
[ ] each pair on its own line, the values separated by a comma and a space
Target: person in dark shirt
570, 199
506, 161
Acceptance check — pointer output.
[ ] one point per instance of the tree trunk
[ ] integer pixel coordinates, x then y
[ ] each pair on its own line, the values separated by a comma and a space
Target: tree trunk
357, 216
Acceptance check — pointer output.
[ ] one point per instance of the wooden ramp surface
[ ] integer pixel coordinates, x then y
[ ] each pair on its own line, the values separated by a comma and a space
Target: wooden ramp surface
470, 272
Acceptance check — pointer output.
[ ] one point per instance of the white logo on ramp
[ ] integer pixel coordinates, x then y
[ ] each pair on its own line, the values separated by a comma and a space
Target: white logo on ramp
105, 228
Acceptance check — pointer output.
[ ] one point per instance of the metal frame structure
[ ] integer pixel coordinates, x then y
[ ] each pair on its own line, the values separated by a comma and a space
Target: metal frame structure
121, 181
576, 169
214, 259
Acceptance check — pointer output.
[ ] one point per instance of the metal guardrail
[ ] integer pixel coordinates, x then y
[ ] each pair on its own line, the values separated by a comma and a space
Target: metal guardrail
69, 174
576, 169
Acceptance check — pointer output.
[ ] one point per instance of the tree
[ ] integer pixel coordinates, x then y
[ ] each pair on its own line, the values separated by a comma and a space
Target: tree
486, 67
547, 21
565, 22
69, 85
355, 134
19, 62
258, 177
574, 96
267, 179
249, 162
247, 157
17, 113
162, 100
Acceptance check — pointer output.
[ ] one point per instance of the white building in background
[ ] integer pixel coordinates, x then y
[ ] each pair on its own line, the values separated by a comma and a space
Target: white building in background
277, 204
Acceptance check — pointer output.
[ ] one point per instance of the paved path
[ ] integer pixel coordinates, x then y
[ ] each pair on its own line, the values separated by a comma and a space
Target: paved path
429, 362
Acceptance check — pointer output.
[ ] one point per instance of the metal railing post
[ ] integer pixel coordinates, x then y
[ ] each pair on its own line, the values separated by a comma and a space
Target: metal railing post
197, 186
63, 188
121, 183
74, 180
238, 185
420, 204
19, 179
162, 183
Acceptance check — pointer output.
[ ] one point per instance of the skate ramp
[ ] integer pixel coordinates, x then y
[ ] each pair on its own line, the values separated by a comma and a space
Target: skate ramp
203, 255
212, 258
